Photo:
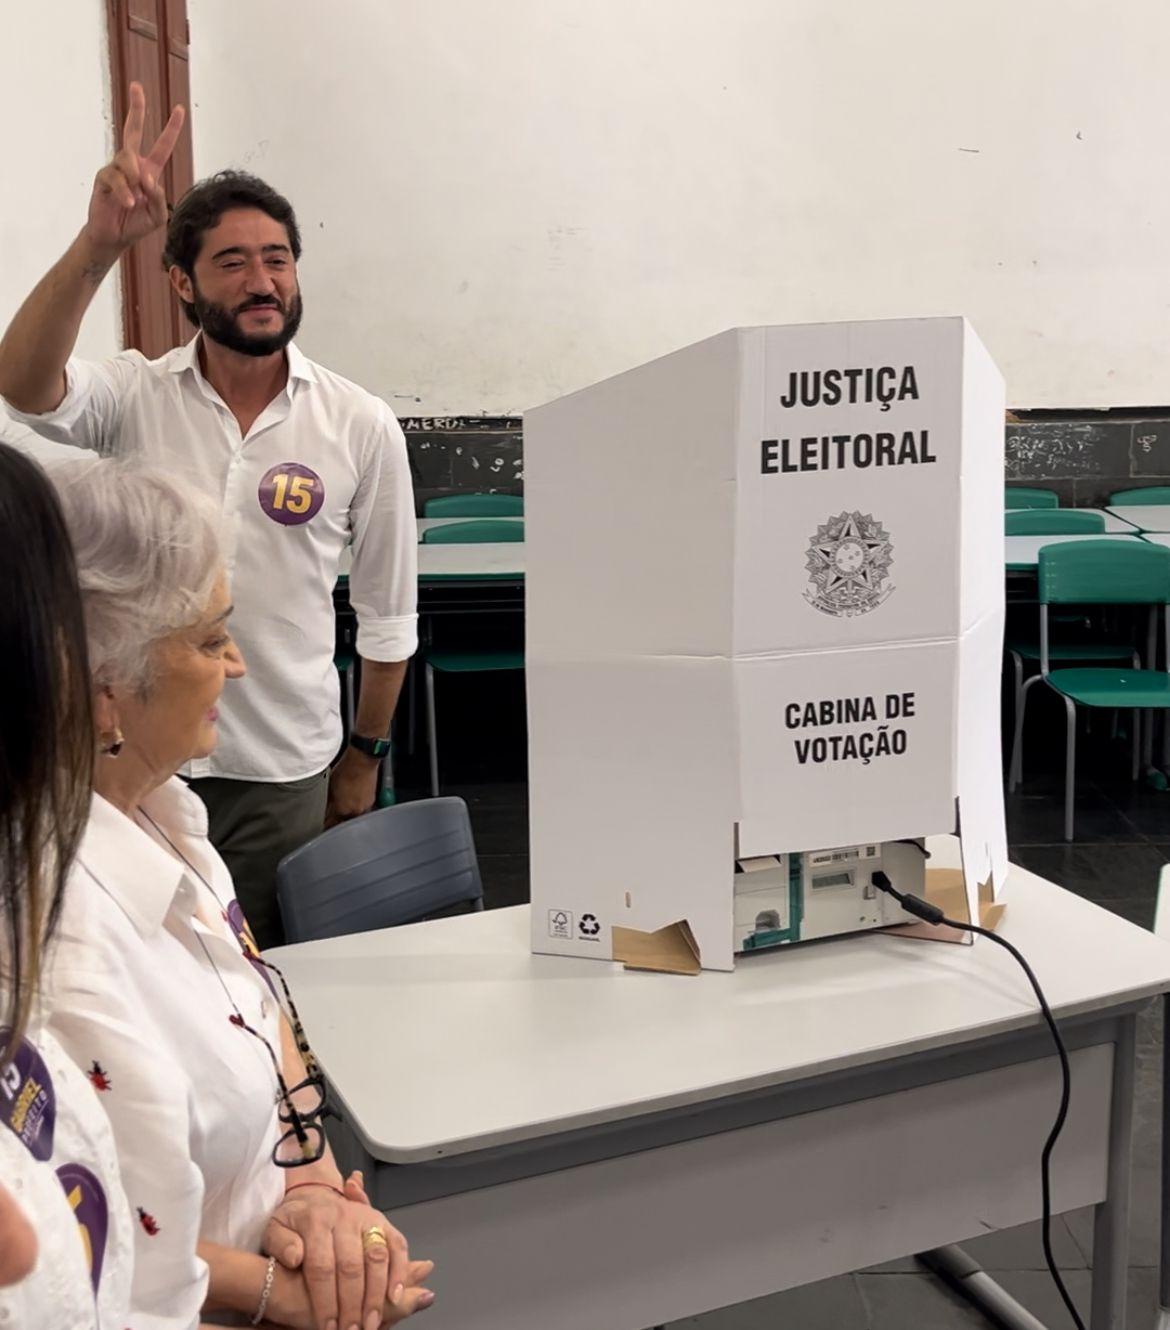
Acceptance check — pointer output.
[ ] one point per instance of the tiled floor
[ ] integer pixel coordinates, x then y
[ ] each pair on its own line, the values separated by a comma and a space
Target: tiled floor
1122, 841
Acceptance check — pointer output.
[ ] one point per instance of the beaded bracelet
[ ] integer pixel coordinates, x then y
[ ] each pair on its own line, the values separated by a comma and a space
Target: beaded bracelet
266, 1292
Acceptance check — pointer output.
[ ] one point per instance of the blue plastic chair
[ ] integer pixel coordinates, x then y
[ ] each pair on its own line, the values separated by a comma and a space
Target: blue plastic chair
389, 867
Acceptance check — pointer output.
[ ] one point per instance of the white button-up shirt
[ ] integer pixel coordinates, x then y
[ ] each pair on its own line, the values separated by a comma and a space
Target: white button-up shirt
145, 977
323, 466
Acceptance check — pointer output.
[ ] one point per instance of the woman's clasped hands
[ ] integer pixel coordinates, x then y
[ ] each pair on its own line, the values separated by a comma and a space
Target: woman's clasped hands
341, 1264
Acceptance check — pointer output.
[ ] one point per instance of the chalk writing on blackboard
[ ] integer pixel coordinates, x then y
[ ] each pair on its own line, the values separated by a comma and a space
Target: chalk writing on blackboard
1055, 450
454, 424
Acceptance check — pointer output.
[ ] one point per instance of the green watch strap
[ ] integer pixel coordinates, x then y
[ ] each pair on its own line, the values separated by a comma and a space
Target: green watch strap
371, 747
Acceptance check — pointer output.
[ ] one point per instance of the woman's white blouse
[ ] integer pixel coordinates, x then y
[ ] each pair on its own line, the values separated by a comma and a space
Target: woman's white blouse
149, 981
57, 1160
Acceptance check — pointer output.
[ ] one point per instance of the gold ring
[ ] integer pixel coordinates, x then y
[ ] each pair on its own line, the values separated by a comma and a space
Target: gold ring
373, 1237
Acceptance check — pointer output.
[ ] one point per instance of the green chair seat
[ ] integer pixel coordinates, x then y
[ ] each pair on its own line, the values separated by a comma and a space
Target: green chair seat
473, 662
475, 505
1052, 522
1073, 650
1149, 494
1024, 496
489, 531
1113, 688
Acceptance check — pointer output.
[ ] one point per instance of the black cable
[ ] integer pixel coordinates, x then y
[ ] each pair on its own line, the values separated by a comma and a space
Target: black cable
931, 914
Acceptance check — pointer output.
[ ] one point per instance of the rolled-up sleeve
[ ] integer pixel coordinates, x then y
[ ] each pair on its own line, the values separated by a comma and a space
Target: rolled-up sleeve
383, 579
88, 415
146, 1105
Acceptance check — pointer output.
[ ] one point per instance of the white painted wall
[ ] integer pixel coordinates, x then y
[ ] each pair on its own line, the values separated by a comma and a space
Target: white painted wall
55, 110
502, 202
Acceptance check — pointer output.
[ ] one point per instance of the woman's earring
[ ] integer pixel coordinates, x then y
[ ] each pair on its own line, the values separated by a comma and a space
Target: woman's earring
114, 747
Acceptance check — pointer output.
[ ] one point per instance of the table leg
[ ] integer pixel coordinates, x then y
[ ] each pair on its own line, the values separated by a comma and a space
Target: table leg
1111, 1220
1164, 1271
967, 1276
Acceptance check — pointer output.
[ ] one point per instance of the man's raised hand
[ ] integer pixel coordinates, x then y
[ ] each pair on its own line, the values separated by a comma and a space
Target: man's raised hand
128, 201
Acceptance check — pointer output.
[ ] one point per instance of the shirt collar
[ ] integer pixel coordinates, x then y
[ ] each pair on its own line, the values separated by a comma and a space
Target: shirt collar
299, 365
129, 865
186, 357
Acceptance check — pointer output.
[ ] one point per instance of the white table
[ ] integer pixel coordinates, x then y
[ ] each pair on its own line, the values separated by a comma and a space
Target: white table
478, 562
577, 1145
469, 562
1113, 521
1022, 553
1157, 538
1146, 517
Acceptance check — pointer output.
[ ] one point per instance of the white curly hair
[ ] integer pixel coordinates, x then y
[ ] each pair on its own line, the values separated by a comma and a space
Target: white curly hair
148, 554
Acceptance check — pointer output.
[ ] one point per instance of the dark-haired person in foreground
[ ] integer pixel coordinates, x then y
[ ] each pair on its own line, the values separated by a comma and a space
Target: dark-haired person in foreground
300, 462
66, 1233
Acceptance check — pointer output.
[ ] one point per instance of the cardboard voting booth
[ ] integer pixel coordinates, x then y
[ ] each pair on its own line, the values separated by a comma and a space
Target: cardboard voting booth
764, 616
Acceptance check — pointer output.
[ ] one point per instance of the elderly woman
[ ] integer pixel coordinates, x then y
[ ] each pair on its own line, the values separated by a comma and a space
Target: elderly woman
156, 985
66, 1241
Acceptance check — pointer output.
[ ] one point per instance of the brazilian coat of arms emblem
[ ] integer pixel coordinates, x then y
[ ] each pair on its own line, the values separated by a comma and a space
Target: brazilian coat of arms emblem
848, 564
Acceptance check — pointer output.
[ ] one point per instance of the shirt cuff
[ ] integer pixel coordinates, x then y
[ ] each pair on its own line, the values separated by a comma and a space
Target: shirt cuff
78, 380
388, 639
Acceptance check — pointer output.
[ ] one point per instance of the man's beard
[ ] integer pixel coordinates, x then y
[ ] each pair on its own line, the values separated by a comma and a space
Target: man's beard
219, 323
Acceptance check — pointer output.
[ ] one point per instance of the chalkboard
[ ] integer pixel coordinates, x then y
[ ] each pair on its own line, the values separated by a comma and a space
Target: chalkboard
1068, 450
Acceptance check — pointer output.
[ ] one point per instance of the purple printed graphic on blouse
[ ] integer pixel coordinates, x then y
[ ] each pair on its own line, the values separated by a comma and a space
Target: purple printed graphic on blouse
239, 926
88, 1202
291, 494
27, 1102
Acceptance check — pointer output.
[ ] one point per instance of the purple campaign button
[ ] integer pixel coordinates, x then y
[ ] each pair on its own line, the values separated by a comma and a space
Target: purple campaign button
239, 926
88, 1202
291, 494
27, 1102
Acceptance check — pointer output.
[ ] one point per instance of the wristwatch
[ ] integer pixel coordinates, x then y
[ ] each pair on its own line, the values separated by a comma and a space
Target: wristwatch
371, 747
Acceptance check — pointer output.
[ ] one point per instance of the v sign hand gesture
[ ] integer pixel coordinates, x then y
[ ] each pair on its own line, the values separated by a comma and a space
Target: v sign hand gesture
128, 201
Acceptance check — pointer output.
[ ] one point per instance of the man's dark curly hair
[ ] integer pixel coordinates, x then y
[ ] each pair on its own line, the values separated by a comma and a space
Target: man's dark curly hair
205, 203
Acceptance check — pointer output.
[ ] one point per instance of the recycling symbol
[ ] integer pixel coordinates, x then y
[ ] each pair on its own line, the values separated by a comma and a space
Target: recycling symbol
588, 925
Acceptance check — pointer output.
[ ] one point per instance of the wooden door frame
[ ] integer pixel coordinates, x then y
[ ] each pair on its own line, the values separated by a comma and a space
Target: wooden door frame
136, 278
